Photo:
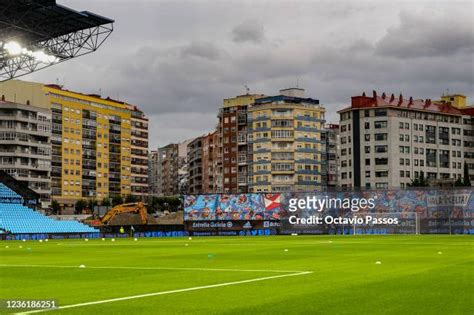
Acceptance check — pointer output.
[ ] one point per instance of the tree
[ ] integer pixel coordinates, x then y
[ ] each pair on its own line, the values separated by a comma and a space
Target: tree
117, 200
153, 204
174, 203
130, 198
171, 203
466, 181
459, 182
55, 207
81, 204
91, 205
105, 202
419, 181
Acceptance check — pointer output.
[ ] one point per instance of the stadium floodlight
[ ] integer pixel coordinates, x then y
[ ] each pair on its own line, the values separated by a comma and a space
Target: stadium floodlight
15, 49
37, 34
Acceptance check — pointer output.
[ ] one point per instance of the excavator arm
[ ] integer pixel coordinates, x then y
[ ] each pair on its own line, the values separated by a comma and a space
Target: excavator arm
137, 207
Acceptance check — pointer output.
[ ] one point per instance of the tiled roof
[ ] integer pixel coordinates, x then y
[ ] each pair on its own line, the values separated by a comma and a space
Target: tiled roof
385, 100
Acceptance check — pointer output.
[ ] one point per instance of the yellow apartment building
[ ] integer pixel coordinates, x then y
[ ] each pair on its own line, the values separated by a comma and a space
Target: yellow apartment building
90, 141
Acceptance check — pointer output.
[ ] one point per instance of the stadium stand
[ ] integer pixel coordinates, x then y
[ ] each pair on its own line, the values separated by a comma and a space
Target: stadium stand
18, 219
30, 197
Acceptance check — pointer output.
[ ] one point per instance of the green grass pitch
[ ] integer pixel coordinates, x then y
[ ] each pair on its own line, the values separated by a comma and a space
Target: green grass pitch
245, 275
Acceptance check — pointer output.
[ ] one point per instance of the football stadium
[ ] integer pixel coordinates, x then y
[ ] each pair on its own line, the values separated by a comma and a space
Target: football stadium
292, 246
242, 253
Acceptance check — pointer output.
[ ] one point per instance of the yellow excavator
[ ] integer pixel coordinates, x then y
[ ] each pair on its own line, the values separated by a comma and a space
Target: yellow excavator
136, 207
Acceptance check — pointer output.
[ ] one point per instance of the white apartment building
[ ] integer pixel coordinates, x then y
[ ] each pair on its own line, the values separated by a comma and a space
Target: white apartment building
386, 141
25, 146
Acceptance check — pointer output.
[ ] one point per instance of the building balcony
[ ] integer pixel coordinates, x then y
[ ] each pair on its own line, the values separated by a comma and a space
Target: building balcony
261, 118
261, 140
309, 118
309, 129
308, 172
308, 150
242, 180
307, 161
311, 140
307, 183
260, 183
242, 141
283, 172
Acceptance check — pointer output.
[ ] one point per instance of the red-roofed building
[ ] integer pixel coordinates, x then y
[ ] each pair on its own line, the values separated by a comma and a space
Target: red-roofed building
387, 140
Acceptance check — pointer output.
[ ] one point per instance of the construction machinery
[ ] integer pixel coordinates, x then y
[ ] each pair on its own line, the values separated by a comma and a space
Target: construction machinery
135, 207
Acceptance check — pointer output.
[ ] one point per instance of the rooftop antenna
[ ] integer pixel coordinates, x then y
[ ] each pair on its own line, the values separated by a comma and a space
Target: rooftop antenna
247, 89
100, 92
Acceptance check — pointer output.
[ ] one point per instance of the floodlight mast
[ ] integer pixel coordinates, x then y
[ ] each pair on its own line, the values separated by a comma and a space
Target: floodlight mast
30, 41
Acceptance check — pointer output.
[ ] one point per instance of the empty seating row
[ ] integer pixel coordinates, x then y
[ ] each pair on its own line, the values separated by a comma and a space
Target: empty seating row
16, 218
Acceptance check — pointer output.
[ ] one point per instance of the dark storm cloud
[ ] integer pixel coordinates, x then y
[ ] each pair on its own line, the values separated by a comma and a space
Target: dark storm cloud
420, 36
248, 31
178, 60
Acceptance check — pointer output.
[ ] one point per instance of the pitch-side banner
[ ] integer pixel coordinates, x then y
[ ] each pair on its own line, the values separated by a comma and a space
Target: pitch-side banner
388, 211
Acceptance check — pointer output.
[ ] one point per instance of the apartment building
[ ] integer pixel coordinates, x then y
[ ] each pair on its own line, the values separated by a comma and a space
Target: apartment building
208, 155
201, 164
25, 146
195, 165
154, 173
386, 141
330, 167
139, 153
216, 170
183, 174
286, 144
169, 157
91, 141
232, 129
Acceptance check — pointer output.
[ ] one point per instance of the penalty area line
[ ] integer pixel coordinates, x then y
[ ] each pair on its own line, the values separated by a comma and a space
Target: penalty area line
132, 297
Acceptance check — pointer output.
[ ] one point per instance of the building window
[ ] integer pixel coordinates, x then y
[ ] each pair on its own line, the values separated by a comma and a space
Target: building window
380, 124
380, 112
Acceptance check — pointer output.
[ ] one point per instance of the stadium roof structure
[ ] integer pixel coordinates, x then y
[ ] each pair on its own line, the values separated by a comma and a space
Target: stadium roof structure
35, 34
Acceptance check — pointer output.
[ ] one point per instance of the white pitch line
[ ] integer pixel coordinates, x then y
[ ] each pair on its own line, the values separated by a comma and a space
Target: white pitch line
154, 268
168, 292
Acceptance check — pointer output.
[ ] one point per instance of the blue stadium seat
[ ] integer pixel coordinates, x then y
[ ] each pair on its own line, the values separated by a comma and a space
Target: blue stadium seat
18, 219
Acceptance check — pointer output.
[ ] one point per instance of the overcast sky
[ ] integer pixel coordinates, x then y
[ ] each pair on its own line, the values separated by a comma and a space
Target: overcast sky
177, 60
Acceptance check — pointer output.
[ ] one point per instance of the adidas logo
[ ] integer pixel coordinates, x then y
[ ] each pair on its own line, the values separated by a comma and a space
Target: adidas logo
247, 225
